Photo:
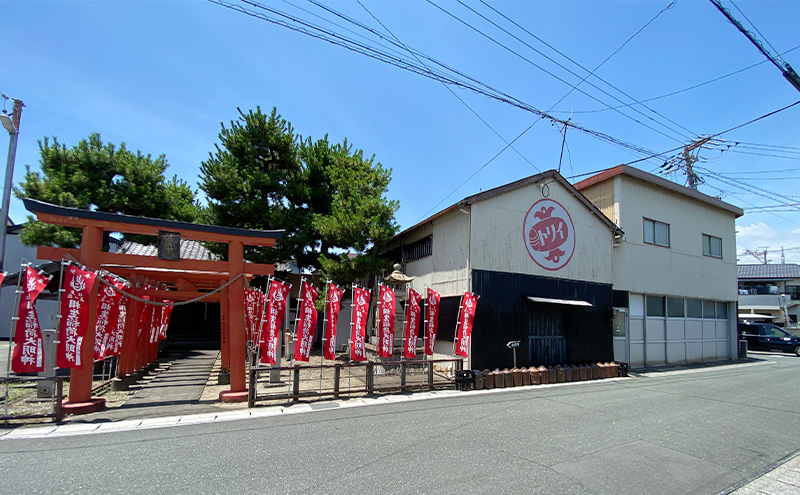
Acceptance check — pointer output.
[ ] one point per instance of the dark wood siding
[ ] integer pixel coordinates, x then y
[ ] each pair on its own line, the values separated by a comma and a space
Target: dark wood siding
547, 332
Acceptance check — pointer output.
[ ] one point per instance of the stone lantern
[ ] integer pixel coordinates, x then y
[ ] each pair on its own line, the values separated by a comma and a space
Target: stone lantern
399, 281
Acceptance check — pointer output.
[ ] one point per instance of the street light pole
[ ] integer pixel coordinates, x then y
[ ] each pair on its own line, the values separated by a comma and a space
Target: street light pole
12, 126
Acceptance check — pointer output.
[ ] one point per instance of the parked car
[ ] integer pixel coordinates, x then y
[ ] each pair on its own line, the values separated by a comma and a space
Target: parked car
768, 337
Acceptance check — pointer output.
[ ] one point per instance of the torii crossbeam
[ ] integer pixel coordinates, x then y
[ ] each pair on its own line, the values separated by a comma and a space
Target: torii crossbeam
185, 279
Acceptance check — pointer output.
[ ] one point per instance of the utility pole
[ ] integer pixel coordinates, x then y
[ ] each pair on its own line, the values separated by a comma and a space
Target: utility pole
758, 255
688, 161
783, 66
689, 156
12, 126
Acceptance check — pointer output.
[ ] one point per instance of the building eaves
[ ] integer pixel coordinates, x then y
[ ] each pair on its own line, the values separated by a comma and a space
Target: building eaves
551, 175
643, 176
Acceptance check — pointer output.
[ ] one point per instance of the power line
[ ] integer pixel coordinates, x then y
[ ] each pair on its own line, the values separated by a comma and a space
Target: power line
304, 27
754, 26
786, 70
476, 172
731, 176
534, 64
764, 154
769, 171
752, 121
566, 124
775, 146
673, 93
448, 88
592, 72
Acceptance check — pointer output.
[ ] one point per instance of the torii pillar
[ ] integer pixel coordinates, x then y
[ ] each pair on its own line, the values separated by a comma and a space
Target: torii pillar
182, 273
238, 390
80, 400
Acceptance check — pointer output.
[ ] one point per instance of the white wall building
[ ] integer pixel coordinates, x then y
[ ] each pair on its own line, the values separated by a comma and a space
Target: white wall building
558, 308
624, 265
677, 265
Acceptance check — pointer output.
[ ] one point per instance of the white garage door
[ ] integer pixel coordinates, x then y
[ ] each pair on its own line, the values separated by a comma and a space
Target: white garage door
676, 330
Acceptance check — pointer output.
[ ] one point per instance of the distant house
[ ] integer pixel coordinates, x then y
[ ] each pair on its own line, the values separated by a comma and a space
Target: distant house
624, 265
771, 290
15, 255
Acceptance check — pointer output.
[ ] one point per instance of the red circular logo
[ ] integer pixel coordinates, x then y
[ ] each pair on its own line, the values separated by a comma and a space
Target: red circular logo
549, 234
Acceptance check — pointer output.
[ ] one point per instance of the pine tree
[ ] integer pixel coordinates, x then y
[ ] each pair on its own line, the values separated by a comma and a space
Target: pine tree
100, 176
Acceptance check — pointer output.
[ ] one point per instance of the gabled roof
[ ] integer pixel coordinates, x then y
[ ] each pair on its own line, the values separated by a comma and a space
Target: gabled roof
769, 272
549, 175
36, 206
643, 176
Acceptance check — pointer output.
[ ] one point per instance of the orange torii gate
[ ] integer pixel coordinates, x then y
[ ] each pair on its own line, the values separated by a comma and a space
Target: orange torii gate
176, 279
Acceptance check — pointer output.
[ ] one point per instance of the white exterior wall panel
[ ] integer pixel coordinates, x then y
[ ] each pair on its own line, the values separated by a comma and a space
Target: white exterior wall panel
498, 240
680, 270
682, 267
446, 270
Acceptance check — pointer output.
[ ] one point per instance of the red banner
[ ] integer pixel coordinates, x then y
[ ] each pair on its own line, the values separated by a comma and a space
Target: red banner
155, 322
166, 313
432, 320
253, 307
386, 309
74, 322
145, 319
359, 324
118, 325
332, 306
274, 311
307, 322
28, 353
107, 313
411, 330
469, 302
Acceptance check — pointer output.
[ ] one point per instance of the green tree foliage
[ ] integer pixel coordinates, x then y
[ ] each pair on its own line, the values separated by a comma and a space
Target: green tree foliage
100, 176
327, 198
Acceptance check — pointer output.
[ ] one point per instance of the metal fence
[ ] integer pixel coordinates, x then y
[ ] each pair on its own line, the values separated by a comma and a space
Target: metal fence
293, 383
104, 371
58, 395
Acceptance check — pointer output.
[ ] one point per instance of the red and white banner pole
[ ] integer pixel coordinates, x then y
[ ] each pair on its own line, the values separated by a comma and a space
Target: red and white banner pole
467, 309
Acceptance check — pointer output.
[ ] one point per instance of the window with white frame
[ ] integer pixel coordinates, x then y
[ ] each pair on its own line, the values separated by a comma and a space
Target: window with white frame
656, 232
712, 246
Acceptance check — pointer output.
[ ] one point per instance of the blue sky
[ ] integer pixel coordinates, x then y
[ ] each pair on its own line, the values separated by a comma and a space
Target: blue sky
162, 76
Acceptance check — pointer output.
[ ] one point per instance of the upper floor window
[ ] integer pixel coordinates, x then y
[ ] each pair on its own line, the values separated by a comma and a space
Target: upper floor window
417, 250
712, 246
656, 232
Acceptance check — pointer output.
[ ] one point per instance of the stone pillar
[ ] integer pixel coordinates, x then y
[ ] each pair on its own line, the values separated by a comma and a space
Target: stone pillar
44, 388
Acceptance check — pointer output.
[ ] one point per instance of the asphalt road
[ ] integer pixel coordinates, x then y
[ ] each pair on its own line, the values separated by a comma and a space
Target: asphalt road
698, 431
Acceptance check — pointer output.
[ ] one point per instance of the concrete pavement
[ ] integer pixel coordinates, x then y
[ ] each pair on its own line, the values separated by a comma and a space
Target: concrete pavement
781, 477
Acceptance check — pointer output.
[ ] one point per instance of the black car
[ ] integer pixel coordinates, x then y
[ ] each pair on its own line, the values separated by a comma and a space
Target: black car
767, 337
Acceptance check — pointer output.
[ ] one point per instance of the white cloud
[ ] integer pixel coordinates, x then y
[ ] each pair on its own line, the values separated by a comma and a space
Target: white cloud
759, 236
